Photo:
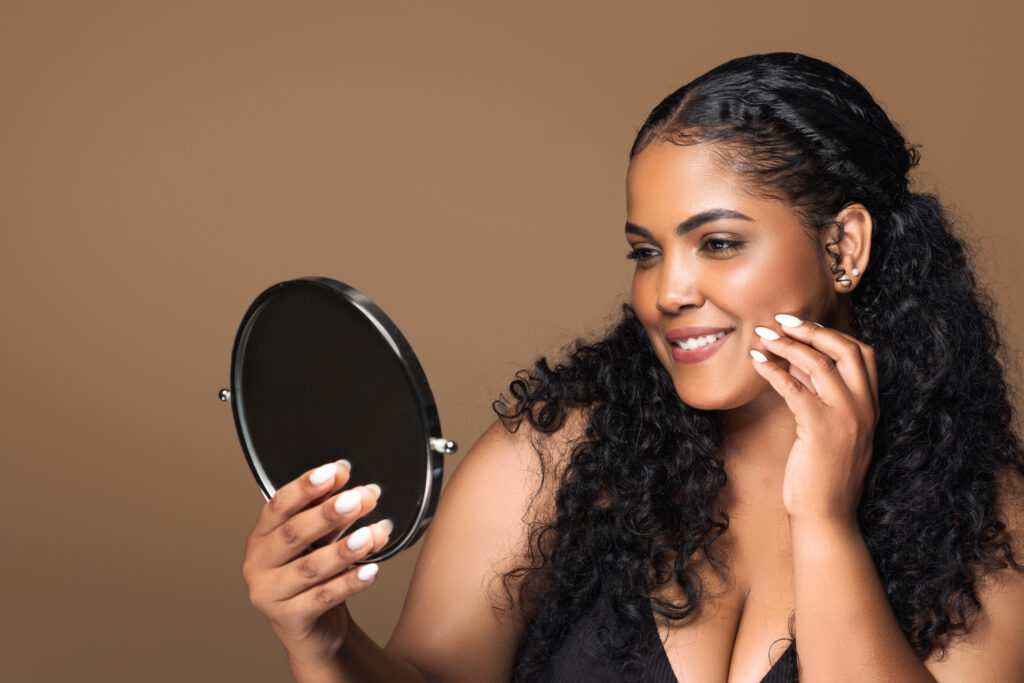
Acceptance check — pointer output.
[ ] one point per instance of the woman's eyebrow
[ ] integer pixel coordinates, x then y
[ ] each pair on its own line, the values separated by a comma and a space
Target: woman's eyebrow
693, 222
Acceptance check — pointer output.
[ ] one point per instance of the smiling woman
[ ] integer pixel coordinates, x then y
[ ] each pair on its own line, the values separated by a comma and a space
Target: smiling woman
727, 268
792, 456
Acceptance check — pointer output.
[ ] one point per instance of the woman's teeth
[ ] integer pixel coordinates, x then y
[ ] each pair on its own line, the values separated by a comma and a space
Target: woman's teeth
697, 342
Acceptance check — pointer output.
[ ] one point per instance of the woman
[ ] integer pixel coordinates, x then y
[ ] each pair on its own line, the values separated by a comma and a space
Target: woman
795, 449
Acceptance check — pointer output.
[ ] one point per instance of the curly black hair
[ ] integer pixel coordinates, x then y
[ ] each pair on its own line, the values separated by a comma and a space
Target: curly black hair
636, 500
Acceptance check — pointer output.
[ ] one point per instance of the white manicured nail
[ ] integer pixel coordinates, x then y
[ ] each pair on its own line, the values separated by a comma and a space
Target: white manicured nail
387, 525
359, 539
348, 501
765, 333
787, 320
323, 474
345, 463
367, 571
758, 356
374, 489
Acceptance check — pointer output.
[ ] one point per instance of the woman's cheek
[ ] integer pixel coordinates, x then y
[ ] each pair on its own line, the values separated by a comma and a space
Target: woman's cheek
779, 285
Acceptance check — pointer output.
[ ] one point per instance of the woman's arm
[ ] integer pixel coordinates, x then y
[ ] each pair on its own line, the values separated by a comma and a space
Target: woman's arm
449, 630
846, 630
845, 627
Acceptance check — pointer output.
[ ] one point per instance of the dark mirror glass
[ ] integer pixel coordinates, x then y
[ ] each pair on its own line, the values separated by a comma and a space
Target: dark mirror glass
320, 373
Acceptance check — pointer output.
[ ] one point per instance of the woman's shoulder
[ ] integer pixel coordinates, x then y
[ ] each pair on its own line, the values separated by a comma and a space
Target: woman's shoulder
479, 532
527, 458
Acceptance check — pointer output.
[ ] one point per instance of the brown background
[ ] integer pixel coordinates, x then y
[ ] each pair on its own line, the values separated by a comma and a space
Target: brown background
460, 162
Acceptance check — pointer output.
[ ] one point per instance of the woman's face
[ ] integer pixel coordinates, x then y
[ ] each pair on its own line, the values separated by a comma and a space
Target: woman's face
713, 261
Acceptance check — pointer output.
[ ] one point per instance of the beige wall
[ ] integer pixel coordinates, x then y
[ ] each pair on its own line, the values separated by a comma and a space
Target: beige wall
161, 163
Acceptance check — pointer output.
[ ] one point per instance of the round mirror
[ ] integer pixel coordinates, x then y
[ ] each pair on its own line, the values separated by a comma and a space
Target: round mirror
320, 373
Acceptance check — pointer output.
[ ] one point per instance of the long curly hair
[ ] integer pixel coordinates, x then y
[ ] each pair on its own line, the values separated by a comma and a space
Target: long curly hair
636, 498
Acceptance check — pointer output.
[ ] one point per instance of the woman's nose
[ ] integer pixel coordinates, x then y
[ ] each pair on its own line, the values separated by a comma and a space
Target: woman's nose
678, 289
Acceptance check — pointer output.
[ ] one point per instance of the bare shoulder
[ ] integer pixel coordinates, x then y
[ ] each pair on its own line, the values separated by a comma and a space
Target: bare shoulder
993, 650
453, 626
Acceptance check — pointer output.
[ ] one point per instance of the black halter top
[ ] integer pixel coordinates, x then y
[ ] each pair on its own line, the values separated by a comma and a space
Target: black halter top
581, 658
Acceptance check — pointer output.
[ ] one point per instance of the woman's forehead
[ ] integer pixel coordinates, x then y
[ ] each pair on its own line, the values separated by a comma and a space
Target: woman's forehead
670, 183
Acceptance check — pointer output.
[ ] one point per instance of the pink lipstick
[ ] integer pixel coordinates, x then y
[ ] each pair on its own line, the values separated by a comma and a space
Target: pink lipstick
694, 344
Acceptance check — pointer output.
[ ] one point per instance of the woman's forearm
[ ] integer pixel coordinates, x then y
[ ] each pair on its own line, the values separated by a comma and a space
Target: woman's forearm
360, 659
845, 628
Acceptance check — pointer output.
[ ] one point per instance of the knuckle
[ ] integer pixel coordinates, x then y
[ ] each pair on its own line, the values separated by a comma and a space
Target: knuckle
258, 598
324, 596
792, 386
289, 533
328, 511
825, 363
344, 554
306, 568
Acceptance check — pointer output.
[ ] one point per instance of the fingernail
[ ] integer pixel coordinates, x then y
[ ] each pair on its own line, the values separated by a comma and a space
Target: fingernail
758, 356
819, 324
387, 525
367, 571
323, 474
373, 488
345, 463
765, 333
359, 539
787, 320
348, 501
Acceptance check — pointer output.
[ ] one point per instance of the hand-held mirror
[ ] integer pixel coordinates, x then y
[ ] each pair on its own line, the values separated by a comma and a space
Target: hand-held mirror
320, 373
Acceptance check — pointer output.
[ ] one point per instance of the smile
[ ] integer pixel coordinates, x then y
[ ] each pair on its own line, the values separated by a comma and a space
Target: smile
694, 348
697, 342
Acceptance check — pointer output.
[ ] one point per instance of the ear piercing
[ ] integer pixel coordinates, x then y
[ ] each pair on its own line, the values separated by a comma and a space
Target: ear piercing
845, 281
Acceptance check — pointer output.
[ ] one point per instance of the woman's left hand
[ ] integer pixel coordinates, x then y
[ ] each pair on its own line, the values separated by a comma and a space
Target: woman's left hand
832, 389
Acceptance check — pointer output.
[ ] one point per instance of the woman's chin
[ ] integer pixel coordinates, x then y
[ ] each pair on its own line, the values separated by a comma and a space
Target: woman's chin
719, 400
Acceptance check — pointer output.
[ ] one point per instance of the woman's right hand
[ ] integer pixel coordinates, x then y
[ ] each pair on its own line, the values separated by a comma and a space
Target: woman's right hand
300, 590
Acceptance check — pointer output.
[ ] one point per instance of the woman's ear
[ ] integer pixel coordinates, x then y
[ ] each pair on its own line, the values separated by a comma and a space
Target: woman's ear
852, 252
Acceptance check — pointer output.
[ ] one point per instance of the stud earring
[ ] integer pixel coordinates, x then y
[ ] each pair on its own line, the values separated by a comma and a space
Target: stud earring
855, 272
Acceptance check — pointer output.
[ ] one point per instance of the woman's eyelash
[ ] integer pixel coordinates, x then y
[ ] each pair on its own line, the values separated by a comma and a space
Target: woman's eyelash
720, 245
641, 253
714, 245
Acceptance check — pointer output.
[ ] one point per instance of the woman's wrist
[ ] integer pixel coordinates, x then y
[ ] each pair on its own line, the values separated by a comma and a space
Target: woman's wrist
315, 669
823, 528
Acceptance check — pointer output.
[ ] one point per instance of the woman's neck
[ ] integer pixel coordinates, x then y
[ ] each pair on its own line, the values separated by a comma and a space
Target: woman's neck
757, 439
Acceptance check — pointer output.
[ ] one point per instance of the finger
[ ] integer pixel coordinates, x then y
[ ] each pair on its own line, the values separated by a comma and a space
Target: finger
843, 350
868, 353
797, 396
332, 516
328, 595
819, 369
325, 563
299, 493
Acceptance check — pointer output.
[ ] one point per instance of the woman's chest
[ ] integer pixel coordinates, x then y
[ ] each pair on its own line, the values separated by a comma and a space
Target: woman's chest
742, 624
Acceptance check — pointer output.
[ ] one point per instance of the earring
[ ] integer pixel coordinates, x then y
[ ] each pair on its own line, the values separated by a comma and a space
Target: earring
832, 248
855, 272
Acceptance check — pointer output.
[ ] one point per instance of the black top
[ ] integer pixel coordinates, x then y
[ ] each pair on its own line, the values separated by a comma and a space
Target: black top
582, 659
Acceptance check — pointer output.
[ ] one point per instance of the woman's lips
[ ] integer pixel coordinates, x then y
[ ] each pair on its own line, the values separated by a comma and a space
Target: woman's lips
700, 353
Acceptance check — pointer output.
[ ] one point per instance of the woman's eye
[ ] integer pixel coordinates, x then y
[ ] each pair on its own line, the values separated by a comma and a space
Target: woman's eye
719, 245
641, 254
